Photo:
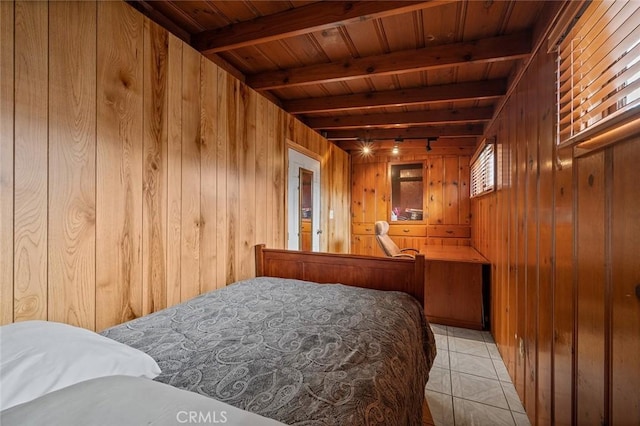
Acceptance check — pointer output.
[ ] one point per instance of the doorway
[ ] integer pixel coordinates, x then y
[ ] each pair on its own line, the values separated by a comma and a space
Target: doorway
303, 201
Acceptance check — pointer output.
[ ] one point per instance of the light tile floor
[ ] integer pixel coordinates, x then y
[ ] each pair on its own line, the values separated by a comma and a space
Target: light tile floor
469, 384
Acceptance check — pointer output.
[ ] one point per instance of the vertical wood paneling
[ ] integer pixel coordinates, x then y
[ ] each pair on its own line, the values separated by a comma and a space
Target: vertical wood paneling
590, 345
247, 183
369, 195
221, 181
72, 156
341, 216
435, 192
532, 249
142, 174
521, 245
154, 207
625, 315
279, 172
191, 219
174, 170
119, 164
563, 307
569, 238
381, 191
464, 204
510, 345
502, 303
546, 153
235, 116
208, 174
261, 170
358, 175
450, 199
6, 160
30, 163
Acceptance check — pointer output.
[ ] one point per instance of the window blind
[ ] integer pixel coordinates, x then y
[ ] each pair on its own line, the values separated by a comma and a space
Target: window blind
598, 72
483, 170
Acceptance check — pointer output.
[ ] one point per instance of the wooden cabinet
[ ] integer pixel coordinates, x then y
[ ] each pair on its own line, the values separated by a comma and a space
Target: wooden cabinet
363, 229
446, 219
456, 285
405, 230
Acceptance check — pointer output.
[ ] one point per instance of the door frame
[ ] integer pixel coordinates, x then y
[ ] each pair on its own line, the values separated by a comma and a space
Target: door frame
310, 161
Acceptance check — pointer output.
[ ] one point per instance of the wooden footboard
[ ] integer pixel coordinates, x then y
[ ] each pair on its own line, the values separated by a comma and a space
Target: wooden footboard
379, 273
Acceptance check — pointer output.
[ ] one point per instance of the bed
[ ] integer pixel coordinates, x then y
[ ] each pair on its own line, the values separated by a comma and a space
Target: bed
285, 346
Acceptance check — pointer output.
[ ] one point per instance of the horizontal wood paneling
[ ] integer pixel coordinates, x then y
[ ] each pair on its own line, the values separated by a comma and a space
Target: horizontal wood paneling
140, 157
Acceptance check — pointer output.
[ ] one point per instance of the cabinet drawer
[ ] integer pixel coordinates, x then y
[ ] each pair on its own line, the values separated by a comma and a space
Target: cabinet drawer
449, 231
408, 230
363, 228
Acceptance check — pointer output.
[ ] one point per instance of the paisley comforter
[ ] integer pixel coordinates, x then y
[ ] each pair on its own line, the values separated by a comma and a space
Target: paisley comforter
298, 352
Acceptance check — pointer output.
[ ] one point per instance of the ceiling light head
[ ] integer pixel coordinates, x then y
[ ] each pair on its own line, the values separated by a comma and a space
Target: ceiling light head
429, 140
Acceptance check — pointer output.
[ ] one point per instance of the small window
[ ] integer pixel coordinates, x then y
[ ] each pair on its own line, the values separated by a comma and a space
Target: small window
483, 170
598, 71
407, 192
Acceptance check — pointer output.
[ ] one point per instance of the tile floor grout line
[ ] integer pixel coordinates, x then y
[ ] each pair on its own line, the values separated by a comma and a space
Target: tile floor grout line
471, 336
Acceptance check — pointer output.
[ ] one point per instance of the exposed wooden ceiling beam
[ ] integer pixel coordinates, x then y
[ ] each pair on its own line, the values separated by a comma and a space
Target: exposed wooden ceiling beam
405, 133
508, 47
414, 96
413, 118
313, 17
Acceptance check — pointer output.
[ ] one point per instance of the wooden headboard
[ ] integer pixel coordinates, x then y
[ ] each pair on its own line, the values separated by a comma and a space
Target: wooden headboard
379, 273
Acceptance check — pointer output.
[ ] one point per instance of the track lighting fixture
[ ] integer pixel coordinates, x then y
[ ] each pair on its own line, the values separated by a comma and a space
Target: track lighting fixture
429, 140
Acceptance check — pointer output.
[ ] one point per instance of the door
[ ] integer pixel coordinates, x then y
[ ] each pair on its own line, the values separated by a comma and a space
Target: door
303, 211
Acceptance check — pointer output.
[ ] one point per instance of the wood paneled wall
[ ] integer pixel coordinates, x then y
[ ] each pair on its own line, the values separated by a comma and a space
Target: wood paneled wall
446, 193
562, 233
135, 173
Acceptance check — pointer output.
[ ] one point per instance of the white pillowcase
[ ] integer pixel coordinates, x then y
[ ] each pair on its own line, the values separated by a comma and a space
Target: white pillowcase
38, 357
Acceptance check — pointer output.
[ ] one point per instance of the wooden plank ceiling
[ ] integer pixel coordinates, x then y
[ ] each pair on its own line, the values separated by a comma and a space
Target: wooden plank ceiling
366, 71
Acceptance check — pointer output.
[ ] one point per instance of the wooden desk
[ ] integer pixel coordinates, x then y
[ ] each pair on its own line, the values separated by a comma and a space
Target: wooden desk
456, 283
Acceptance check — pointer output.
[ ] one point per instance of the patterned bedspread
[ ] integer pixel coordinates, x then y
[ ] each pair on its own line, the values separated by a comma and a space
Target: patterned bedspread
298, 352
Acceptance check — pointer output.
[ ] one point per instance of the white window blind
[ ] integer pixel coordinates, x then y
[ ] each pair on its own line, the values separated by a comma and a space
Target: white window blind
598, 73
483, 170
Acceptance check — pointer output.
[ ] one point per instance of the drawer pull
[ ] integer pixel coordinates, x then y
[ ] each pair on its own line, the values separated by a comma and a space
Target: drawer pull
449, 232
405, 230
368, 229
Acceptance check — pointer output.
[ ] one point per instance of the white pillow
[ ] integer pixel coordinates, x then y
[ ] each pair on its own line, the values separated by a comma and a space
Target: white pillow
38, 357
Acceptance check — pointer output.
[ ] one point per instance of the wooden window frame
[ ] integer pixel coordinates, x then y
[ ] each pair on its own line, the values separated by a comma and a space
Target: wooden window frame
482, 169
598, 74
424, 195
